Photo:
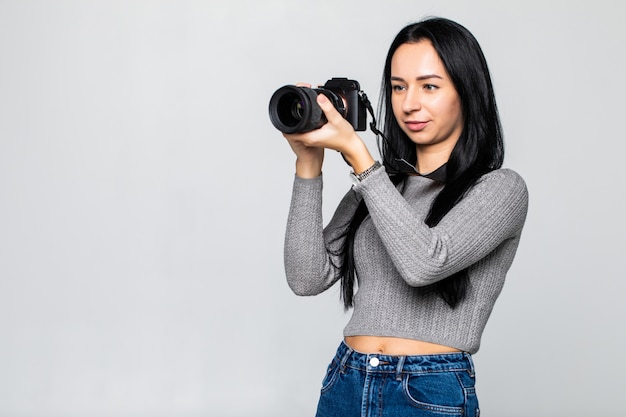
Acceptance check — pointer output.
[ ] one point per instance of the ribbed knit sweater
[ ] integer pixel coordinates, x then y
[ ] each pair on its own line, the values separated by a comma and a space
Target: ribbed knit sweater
397, 255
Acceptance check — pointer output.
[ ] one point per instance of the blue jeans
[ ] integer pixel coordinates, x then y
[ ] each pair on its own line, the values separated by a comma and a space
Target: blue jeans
373, 385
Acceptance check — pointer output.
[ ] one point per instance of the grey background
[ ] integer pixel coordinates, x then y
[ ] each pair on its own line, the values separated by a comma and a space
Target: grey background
143, 196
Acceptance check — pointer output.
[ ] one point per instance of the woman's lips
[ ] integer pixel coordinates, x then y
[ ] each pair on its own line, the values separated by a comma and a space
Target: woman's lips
415, 126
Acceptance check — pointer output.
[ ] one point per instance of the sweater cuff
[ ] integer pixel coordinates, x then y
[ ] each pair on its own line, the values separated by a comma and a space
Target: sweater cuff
307, 189
376, 177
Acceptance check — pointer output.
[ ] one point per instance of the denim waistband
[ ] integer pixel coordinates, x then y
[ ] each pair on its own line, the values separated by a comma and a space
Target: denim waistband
378, 363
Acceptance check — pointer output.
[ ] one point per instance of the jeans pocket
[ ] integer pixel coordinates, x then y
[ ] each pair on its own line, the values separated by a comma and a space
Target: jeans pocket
439, 393
331, 375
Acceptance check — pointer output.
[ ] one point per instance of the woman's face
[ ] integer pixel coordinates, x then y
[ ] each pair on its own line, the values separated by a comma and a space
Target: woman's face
424, 100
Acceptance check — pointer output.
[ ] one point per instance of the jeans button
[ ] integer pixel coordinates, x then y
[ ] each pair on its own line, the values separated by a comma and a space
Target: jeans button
374, 362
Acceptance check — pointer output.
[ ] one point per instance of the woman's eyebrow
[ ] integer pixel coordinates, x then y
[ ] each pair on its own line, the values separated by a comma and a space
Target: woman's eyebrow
420, 78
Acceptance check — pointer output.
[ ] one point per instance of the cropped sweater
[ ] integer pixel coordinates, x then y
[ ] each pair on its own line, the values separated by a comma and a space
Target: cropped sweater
397, 256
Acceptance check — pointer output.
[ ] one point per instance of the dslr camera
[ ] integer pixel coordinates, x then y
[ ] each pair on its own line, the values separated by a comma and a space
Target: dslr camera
294, 109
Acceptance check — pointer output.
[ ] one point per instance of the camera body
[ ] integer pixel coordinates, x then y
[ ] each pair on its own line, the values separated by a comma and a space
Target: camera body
294, 109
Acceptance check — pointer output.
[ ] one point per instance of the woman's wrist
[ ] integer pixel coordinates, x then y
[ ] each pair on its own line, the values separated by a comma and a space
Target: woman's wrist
357, 178
307, 169
358, 156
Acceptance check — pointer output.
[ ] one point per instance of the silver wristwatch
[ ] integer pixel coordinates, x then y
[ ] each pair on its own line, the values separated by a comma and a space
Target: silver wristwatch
357, 178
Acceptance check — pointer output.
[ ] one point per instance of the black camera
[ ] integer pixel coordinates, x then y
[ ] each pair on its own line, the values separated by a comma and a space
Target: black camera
294, 109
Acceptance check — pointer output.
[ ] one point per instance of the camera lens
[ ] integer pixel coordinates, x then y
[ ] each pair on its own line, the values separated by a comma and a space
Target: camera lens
295, 106
294, 109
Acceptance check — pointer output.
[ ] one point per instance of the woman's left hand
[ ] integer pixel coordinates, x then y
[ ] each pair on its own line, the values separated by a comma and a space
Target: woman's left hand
337, 134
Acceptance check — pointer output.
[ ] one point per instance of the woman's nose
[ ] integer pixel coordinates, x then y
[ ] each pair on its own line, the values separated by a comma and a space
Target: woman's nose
411, 101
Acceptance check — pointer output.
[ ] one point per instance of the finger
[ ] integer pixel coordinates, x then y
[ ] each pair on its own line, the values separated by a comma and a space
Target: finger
329, 109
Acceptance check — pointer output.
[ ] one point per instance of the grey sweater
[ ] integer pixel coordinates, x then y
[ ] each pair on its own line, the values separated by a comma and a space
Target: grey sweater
397, 254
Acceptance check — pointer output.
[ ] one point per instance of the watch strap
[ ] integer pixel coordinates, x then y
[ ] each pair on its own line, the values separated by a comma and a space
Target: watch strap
361, 176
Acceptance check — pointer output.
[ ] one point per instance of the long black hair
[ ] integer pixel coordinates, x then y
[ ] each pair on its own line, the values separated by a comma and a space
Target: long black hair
478, 150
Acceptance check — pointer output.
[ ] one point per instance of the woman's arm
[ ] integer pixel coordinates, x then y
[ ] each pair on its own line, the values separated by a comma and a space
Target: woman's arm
491, 212
311, 253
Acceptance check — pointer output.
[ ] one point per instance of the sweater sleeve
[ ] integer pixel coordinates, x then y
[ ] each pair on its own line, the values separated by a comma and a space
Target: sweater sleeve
493, 211
311, 252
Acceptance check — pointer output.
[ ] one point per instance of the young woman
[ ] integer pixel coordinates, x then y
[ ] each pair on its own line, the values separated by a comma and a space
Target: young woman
422, 243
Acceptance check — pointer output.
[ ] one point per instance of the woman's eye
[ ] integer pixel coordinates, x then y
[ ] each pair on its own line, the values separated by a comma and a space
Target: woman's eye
430, 87
397, 87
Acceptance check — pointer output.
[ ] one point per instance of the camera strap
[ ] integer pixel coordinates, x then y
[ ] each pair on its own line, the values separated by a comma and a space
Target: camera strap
380, 135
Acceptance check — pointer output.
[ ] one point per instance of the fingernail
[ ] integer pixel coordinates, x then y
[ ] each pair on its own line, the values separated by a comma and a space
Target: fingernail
322, 98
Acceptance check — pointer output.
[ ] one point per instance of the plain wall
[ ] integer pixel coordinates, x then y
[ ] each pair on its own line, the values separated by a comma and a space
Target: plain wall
144, 193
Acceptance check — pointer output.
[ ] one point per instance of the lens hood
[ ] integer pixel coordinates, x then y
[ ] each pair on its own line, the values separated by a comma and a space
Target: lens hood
294, 109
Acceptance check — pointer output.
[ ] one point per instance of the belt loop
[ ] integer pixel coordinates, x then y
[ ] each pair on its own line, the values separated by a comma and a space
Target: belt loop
470, 362
344, 359
399, 368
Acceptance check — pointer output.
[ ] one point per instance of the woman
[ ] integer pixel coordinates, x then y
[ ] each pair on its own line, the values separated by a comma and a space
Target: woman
430, 234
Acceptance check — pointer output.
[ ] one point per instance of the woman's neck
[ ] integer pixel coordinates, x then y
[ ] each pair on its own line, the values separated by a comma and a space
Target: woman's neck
429, 160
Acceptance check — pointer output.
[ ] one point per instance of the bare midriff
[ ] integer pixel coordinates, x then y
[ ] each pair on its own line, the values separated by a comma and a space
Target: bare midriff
395, 346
